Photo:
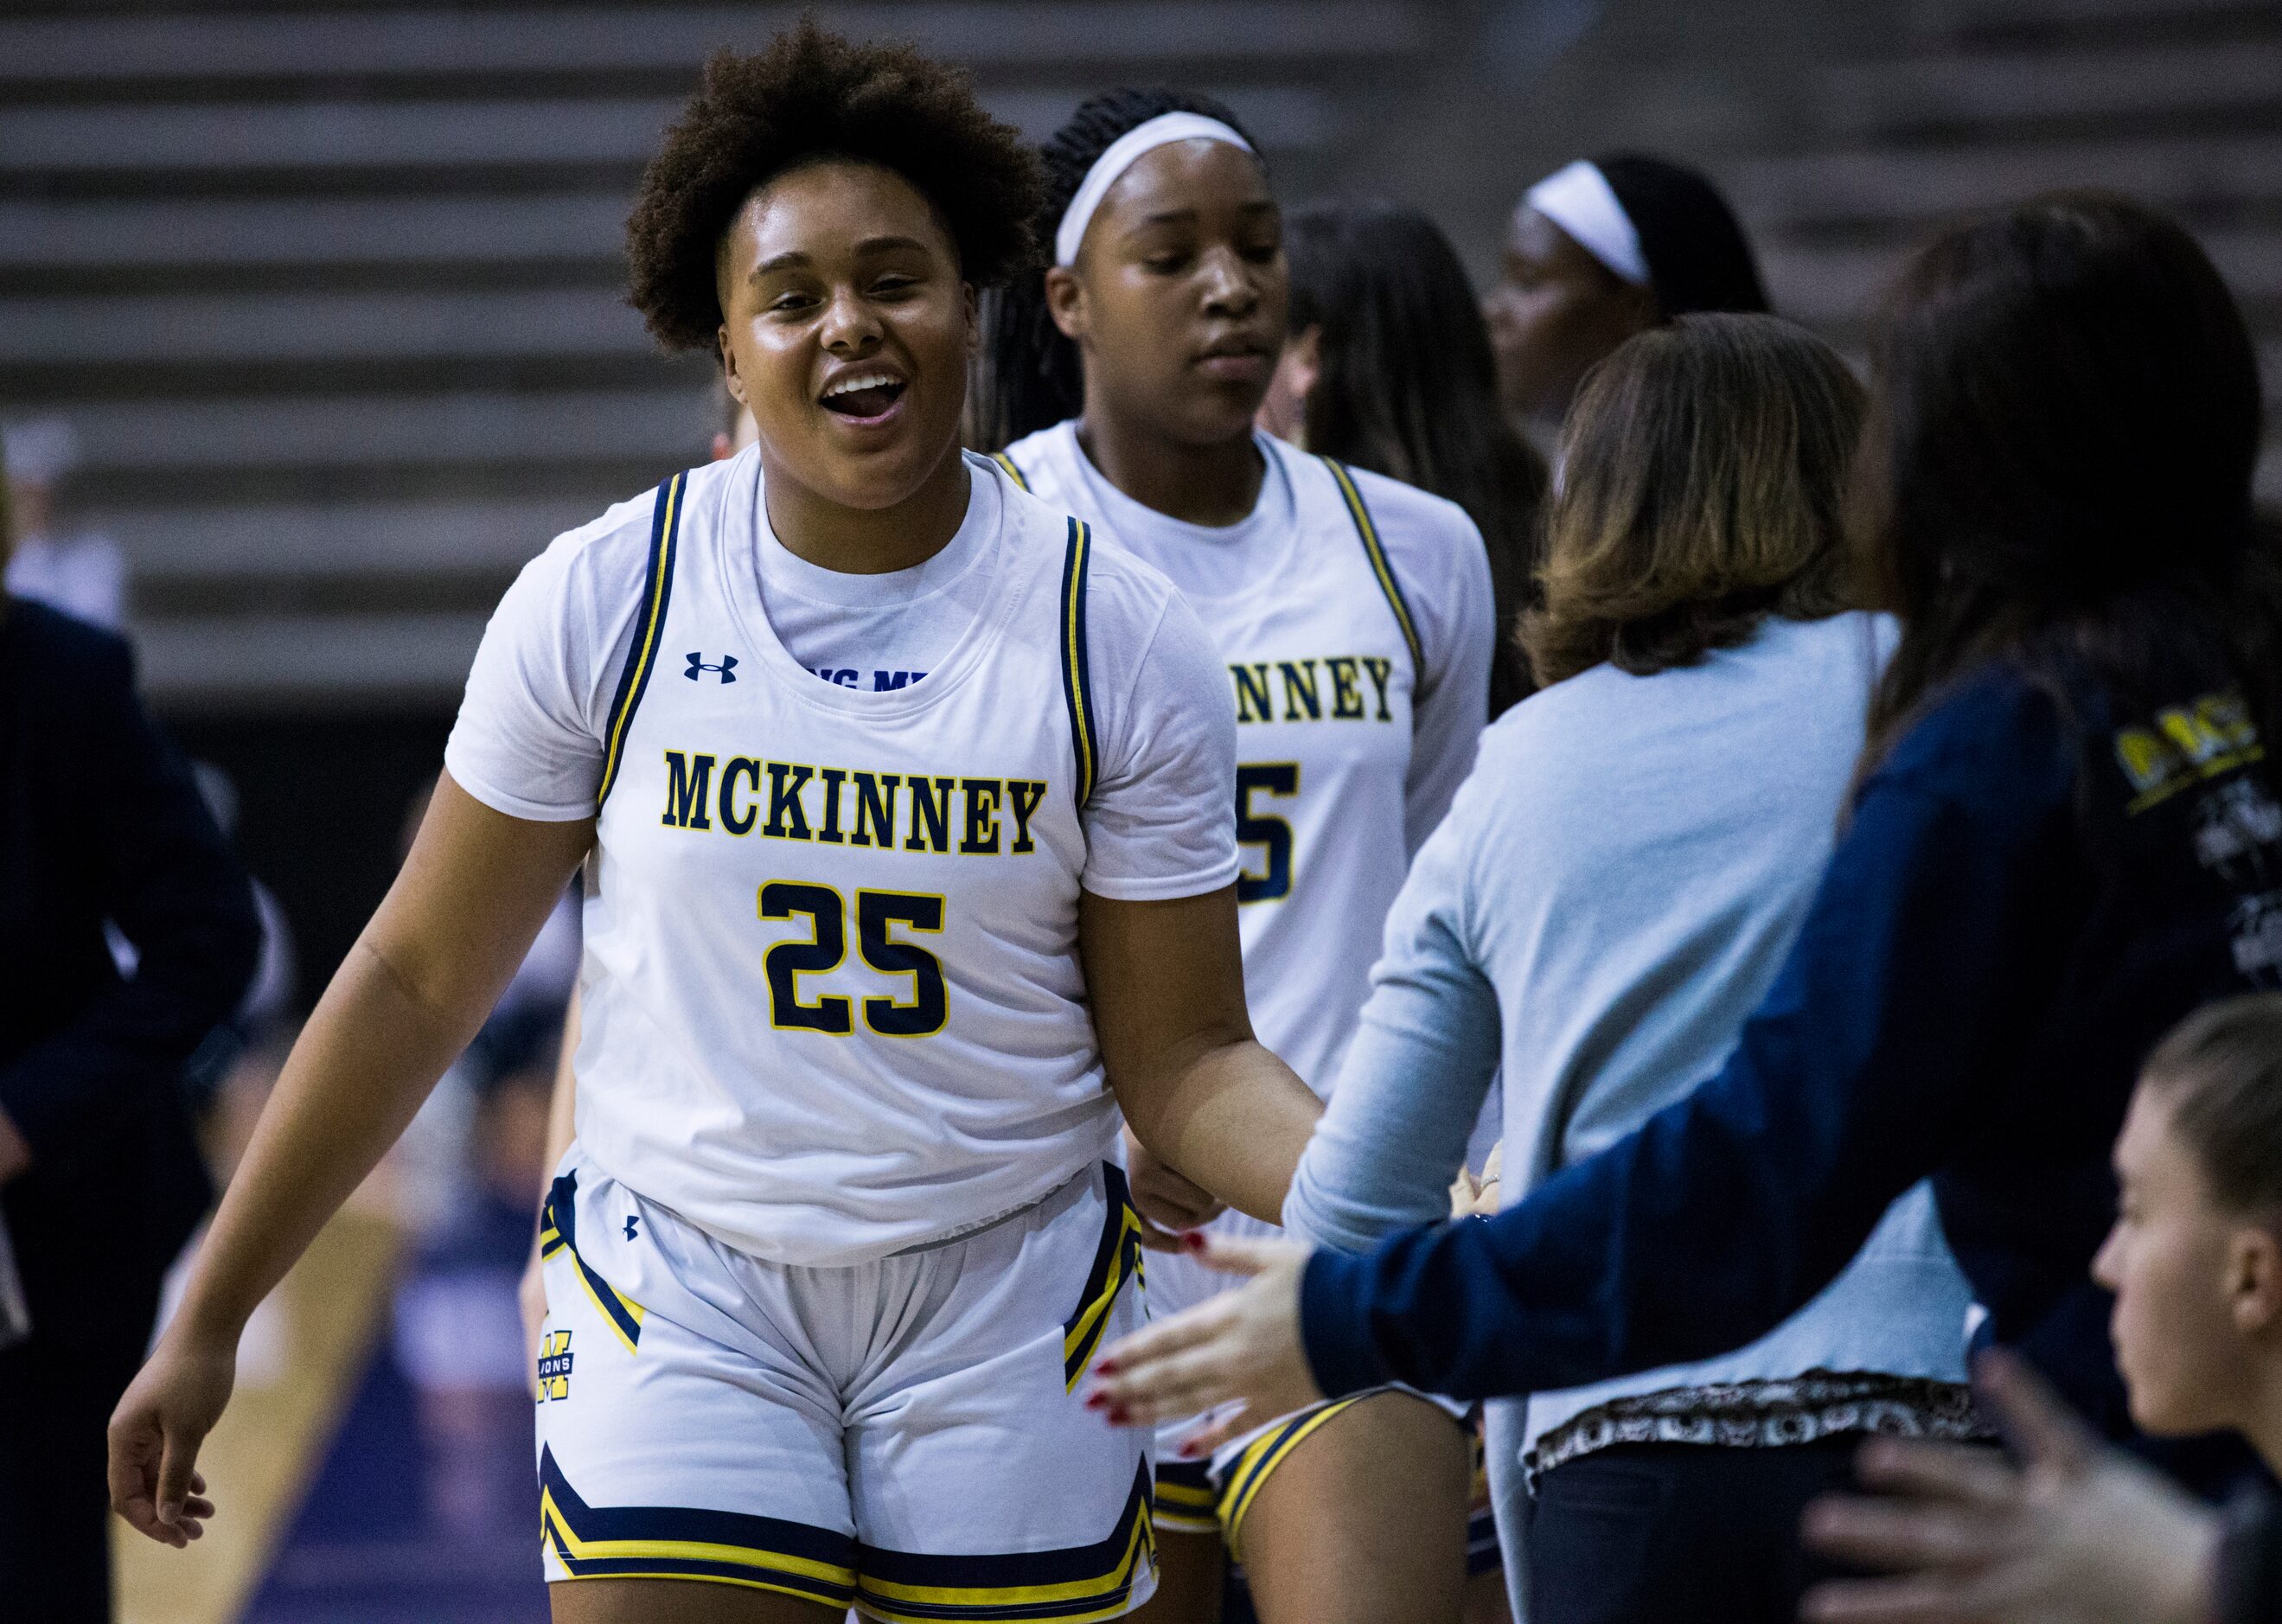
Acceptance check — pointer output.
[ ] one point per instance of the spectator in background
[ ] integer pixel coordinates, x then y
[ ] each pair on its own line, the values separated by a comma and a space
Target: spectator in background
2077, 1533
458, 1334
1388, 368
100, 1178
82, 575
1597, 251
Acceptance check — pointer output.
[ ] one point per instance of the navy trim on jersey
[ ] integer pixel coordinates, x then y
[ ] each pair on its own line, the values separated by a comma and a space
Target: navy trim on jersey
657, 588
1379, 566
557, 1232
1077, 688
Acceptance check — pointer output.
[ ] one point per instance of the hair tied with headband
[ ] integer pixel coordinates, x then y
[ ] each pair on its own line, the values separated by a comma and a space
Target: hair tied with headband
1122, 155
1581, 201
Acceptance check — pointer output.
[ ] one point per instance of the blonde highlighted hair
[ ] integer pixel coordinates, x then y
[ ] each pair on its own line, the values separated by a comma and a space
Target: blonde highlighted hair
1703, 488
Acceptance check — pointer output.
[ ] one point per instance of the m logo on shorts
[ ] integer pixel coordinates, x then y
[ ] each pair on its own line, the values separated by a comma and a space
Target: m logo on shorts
554, 1365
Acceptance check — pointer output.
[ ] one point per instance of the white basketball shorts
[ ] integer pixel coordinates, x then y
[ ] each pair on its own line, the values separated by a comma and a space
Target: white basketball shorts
902, 1436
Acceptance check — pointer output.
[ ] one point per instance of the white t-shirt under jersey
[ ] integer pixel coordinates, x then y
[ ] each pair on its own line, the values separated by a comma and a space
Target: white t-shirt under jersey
880, 632
730, 1066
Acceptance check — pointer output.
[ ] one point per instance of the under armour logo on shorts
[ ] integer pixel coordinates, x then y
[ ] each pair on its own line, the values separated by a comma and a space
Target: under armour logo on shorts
727, 668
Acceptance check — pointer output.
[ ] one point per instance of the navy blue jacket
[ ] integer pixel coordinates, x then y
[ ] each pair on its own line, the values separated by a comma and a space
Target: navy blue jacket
2033, 887
100, 819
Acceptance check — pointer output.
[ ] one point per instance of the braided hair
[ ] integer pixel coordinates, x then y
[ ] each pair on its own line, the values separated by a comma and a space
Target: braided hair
1029, 374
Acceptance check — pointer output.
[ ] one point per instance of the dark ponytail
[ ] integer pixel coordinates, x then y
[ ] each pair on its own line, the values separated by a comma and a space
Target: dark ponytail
1028, 376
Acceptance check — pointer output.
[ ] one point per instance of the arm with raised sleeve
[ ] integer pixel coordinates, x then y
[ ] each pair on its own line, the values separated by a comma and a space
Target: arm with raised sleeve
1415, 1077
1891, 1021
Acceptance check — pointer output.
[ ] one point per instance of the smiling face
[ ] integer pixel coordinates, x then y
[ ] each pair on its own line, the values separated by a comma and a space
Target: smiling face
846, 330
1180, 295
2196, 1294
1554, 311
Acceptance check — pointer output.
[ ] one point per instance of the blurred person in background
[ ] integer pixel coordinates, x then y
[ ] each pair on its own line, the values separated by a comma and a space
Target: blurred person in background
1388, 368
1352, 615
2065, 837
101, 825
458, 1334
1606, 902
2072, 1532
1598, 251
81, 574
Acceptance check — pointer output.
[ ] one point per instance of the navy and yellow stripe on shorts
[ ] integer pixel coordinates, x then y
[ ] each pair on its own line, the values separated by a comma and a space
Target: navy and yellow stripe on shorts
557, 1221
1381, 571
657, 590
1186, 1501
1263, 1456
639, 1542
1115, 1261
1077, 690
1071, 1585
1020, 480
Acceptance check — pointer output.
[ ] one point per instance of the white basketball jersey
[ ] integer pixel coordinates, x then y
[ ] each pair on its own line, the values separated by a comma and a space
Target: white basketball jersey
1323, 659
831, 980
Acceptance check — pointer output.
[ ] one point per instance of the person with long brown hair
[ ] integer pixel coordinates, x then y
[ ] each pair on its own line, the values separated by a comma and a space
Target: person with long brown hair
2064, 838
1388, 368
1607, 901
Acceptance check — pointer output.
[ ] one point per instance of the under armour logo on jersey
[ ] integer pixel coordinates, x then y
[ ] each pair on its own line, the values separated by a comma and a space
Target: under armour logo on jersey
630, 1226
728, 667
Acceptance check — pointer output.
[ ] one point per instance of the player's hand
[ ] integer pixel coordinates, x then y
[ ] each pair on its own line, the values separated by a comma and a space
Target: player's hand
1242, 1345
531, 1299
165, 1415
1169, 1203
2077, 1534
1471, 1197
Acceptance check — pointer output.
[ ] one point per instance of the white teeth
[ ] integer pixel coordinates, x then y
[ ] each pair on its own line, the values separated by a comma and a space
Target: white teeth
862, 380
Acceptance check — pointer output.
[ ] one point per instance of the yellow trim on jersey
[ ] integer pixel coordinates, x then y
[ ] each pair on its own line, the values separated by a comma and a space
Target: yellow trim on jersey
1379, 567
1077, 690
569, 1545
1185, 1500
647, 632
1261, 1457
1012, 472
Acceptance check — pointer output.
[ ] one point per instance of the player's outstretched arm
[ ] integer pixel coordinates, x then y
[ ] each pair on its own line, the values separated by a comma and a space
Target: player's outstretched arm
420, 980
1198, 1089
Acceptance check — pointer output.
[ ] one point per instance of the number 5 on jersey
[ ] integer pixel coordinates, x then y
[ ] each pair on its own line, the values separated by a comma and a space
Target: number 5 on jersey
920, 1015
1279, 780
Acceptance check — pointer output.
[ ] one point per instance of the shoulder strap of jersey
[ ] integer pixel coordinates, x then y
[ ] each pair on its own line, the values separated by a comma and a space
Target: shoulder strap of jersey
641, 655
1077, 691
1375, 551
1012, 472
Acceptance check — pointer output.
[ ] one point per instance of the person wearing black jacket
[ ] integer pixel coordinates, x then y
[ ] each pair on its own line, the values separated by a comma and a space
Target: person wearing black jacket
101, 1181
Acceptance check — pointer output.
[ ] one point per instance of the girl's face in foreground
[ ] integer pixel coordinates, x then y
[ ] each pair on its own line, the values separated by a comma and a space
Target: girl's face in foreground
846, 330
2198, 1288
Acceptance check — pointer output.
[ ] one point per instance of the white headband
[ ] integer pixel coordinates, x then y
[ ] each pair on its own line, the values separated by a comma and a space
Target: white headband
1580, 200
1123, 153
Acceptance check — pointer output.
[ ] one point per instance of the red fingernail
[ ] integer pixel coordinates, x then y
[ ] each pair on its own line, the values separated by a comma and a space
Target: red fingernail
1097, 1401
1106, 1367
1192, 1240
1190, 1451
1119, 1415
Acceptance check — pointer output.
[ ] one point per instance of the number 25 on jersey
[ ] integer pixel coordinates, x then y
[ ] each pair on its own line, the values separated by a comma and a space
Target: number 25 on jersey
921, 1014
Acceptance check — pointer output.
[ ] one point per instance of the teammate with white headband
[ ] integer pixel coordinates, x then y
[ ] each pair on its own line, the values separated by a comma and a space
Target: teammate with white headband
1353, 615
1598, 251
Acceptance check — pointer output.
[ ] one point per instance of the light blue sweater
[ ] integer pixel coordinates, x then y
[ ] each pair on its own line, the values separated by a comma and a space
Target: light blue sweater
1611, 892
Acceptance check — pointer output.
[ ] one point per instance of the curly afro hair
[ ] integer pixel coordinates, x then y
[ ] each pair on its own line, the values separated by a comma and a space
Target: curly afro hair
814, 95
